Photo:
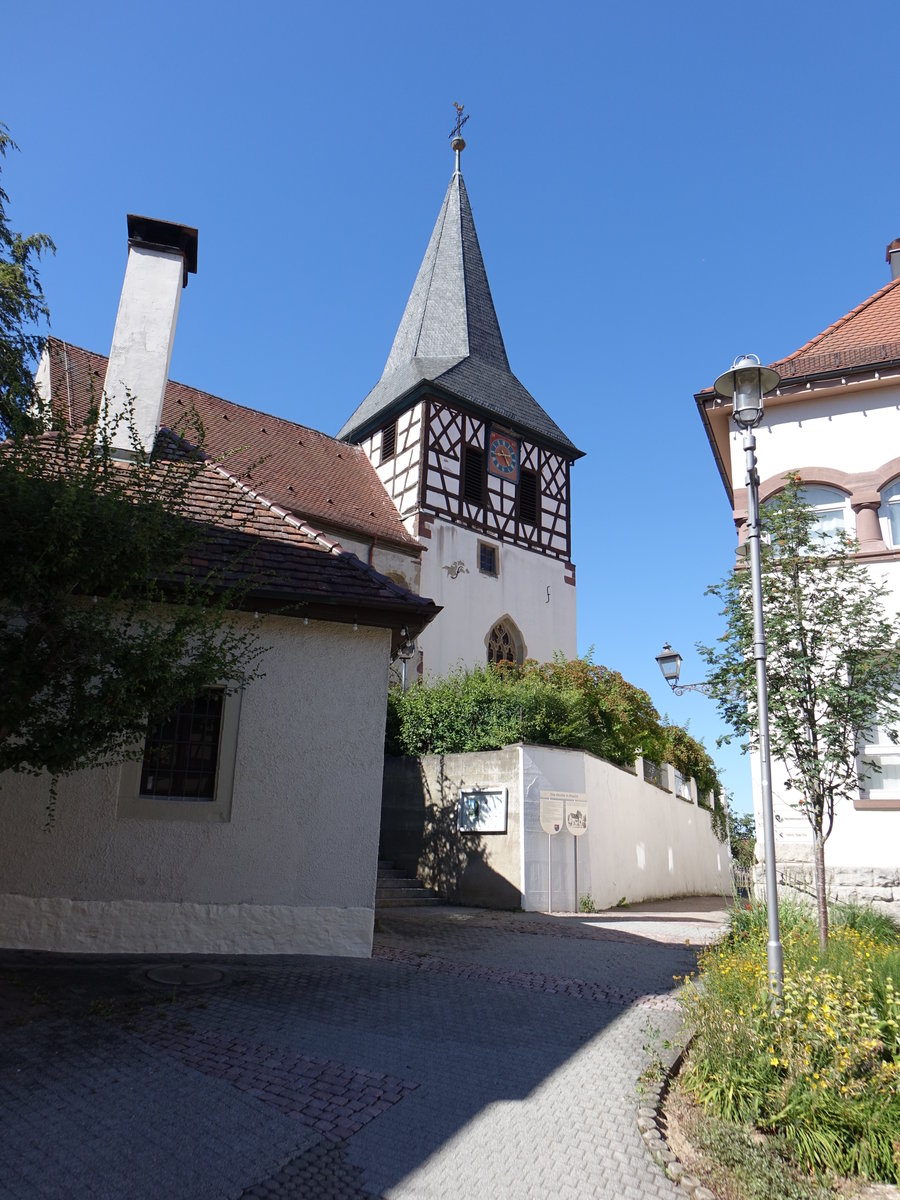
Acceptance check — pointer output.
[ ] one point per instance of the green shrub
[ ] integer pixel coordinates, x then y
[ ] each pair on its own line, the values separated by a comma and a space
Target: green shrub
748, 1169
567, 702
866, 919
751, 920
821, 1070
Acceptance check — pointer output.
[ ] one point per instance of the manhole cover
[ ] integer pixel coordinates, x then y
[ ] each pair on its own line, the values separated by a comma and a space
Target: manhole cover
185, 975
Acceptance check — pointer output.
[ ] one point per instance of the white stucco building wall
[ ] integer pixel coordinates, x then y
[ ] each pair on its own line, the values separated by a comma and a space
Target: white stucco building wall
292, 870
851, 428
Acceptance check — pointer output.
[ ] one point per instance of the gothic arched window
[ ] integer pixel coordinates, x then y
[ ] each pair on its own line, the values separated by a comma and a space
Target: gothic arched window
504, 643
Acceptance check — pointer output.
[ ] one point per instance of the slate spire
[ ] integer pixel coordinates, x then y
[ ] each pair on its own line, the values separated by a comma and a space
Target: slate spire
450, 311
449, 335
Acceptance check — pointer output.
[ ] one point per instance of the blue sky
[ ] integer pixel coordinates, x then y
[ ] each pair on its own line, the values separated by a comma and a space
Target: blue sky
656, 188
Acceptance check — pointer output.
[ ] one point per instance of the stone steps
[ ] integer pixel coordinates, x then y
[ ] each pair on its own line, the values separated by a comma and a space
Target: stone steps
395, 889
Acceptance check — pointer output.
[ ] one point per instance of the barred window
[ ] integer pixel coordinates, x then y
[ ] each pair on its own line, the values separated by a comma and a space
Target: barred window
187, 769
488, 560
181, 752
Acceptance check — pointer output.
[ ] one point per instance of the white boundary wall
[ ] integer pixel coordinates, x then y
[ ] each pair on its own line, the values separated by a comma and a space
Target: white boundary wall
642, 843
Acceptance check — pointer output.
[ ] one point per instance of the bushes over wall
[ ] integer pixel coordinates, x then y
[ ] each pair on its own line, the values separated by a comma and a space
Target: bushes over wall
567, 702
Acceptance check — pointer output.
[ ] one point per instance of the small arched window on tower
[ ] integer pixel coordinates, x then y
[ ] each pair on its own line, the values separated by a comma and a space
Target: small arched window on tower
504, 643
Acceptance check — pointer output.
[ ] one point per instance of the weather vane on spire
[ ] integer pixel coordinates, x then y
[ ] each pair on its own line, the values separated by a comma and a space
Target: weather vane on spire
458, 144
460, 120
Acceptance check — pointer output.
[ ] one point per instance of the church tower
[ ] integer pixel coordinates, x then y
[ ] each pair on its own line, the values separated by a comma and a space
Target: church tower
477, 469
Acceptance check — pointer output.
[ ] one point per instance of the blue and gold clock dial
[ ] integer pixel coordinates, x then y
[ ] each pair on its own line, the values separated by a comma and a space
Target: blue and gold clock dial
503, 456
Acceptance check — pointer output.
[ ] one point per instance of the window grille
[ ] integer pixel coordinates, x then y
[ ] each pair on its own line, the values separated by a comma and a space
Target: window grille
181, 752
504, 645
487, 559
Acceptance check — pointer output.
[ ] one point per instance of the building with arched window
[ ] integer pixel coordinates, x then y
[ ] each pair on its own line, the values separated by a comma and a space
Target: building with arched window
834, 420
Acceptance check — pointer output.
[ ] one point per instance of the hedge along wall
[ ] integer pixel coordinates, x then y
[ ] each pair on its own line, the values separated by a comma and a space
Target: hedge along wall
642, 842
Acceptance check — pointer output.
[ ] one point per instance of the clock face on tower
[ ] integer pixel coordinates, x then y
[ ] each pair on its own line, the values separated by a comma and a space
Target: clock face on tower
503, 456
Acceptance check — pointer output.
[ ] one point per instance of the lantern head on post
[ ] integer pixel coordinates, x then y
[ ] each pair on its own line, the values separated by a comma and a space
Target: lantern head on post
745, 384
670, 664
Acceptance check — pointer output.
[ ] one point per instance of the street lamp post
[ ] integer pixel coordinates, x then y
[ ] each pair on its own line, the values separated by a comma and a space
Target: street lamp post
745, 384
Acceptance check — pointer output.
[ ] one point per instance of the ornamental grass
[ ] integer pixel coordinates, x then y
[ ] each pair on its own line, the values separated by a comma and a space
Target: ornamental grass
822, 1070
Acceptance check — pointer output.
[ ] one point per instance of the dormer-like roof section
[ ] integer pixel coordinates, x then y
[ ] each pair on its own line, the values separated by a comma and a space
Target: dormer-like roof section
450, 336
867, 335
325, 481
863, 341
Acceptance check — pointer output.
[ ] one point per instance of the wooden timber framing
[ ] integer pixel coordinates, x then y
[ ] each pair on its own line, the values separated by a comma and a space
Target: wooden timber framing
446, 432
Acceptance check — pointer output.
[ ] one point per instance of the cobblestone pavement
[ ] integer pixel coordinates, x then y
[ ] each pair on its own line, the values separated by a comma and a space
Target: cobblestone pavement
476, 1054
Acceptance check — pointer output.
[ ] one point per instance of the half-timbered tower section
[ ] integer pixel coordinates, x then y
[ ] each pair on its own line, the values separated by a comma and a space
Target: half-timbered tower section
477, 469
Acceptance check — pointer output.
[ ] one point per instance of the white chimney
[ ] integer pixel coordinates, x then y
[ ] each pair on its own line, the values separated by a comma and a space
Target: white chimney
892, 256
160, 256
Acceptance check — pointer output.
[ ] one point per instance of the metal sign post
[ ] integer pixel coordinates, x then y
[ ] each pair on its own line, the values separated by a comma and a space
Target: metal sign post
561, 810
552, 818
576, 823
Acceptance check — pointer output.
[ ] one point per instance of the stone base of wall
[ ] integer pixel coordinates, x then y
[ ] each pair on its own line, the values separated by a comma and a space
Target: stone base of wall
157, 927
862, 885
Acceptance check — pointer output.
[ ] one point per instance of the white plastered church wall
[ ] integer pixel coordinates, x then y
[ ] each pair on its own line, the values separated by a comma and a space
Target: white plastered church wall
530, 588
292, 871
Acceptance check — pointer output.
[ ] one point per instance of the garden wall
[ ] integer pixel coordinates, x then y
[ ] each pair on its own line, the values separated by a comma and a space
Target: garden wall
643, 841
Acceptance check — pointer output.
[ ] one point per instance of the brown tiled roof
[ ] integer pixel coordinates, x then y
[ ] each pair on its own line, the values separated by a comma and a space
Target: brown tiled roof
869, 334
314, 476
276, 563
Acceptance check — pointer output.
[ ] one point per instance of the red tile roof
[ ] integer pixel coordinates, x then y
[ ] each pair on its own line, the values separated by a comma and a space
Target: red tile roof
869, 334
307, 473
276, 564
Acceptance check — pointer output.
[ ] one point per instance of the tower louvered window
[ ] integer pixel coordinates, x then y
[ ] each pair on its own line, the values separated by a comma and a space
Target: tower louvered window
528, 497
388, 441
473, 475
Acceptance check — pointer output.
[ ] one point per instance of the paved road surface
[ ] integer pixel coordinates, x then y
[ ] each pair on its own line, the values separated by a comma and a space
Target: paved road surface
476, 1055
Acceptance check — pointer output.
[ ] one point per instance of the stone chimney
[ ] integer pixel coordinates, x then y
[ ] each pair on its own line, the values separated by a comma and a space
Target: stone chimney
160, 257
892, 256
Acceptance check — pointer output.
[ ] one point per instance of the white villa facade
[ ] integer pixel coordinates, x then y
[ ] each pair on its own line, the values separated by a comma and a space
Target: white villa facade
835, 421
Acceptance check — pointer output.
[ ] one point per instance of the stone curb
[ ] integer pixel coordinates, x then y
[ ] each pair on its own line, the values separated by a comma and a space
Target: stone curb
649, 1122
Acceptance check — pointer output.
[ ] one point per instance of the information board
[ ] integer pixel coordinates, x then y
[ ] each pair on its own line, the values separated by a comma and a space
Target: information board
482, 810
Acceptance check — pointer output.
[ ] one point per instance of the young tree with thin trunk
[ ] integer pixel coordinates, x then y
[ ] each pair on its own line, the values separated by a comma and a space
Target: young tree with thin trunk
833, 662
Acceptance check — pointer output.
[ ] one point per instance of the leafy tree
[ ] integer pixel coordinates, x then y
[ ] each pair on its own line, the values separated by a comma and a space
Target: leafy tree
22, 312
110, 613
742, 835
692, 760
833, 662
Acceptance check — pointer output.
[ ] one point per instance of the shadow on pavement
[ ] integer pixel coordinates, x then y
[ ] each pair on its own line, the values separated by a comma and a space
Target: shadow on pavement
464, 1055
